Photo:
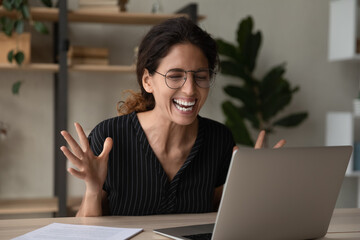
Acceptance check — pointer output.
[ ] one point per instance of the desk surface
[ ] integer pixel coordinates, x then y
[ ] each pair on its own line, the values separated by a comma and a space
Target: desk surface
345, 223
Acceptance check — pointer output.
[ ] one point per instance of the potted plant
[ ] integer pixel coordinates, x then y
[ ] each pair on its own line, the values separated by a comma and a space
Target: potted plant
261, 99
10, 25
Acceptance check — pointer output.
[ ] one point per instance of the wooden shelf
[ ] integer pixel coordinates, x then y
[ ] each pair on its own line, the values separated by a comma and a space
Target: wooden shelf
100, 68
52, 67
37, 205
41, 67
91, 16
34, 205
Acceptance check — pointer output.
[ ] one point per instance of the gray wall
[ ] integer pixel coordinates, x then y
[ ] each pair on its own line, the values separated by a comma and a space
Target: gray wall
294, 32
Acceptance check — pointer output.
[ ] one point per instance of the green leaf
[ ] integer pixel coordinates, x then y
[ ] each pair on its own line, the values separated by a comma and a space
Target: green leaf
271, 80
19, 26
8, 27
25, 11
47, 3
244, 30
19, 57
8, 4
227, 49
244, 94
16, 87
18, 3
253, 47
236, 124
10, 56
40, 27
291, 120
279, 98
251, 116
235, 69
2, 20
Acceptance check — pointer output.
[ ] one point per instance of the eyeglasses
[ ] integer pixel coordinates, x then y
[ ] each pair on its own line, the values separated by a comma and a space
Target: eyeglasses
176, 78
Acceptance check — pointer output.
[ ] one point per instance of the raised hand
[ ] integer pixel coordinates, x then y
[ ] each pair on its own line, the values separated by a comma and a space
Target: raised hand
90, 168
260, 141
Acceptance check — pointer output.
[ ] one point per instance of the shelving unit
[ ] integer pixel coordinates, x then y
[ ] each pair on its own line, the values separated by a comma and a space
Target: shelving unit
60, 18
344, 30
344, 44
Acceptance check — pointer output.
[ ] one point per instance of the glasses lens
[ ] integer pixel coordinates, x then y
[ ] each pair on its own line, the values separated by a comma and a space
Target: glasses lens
204, 78
175, 78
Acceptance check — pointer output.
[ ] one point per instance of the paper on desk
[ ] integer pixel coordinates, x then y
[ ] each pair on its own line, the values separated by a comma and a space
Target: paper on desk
60, 231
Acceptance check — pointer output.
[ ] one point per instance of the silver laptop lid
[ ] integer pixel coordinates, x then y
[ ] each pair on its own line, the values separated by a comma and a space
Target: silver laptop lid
286, 193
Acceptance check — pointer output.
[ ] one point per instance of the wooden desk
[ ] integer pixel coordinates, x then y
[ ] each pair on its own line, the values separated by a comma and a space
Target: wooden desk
345, 224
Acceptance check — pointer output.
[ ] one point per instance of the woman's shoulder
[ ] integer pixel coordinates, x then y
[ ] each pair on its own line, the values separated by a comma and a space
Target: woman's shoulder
210, 123
214, 128
108, 126
117, 121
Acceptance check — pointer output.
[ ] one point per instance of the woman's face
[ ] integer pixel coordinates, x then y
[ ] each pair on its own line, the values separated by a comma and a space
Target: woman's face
181, 105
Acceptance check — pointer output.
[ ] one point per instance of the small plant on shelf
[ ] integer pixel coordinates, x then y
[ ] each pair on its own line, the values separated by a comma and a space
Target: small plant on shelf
16, 24
260, 99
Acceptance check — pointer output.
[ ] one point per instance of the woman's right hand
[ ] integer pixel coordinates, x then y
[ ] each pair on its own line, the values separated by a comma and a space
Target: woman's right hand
90, 168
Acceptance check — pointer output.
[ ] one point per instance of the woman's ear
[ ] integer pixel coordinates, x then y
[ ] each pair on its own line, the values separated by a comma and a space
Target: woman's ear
147, 81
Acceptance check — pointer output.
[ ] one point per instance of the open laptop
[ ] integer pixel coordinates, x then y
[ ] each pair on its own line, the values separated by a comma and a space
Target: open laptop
287, 193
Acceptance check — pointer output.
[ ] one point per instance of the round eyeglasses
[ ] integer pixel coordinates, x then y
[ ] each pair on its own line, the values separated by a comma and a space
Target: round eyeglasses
176, 78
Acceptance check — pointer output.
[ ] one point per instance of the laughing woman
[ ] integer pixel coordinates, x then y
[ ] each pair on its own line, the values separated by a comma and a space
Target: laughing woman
159, 156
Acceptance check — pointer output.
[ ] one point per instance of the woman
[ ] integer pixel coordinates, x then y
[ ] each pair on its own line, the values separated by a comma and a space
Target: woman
159, 156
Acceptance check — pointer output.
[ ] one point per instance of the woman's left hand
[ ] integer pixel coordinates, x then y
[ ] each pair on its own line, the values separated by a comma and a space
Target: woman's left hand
260, 141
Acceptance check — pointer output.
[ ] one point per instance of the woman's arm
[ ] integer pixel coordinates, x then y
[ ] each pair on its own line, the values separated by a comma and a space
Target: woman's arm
93, 205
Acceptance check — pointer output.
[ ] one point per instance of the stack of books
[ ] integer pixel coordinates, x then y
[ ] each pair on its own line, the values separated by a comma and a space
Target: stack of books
88, 55
95, 5
98, 5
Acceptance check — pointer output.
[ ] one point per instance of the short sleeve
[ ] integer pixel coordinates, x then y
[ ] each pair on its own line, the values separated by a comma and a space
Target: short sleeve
96, 141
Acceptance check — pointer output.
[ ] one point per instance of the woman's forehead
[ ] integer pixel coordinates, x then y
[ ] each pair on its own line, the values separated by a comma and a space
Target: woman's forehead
185, 56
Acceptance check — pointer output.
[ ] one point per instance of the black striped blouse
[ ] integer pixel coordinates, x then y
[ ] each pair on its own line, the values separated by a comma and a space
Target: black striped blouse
136, 182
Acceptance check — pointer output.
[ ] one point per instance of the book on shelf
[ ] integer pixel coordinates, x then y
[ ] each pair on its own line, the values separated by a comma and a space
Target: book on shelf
98, 1
88, 55
89, 61
91, 5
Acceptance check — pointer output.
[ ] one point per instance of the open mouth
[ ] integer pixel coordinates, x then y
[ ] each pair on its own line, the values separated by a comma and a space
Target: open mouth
185, 106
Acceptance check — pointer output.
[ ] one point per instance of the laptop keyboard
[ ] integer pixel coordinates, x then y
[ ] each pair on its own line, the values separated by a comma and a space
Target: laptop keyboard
200, 236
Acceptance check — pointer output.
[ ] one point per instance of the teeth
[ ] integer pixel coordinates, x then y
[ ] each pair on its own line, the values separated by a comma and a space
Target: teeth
183, 109
184, 103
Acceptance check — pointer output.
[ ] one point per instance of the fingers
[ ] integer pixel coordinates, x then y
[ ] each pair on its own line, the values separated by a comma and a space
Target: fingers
260, 140
76, 173
235, 148
72, 158
82, 137
107, 147
73, 144
280, 144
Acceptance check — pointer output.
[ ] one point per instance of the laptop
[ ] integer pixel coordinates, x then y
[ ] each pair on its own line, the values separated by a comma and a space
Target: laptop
286, 193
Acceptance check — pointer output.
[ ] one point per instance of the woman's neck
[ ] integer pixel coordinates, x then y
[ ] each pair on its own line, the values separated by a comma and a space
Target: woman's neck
166, 134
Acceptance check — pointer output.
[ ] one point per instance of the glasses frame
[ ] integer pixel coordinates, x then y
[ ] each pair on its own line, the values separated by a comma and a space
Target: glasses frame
212, 74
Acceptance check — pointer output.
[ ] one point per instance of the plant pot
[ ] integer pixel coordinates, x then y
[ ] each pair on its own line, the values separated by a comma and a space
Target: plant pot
21, 42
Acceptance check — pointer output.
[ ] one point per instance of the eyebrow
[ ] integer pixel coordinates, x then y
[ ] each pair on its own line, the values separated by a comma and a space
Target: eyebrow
180, 69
